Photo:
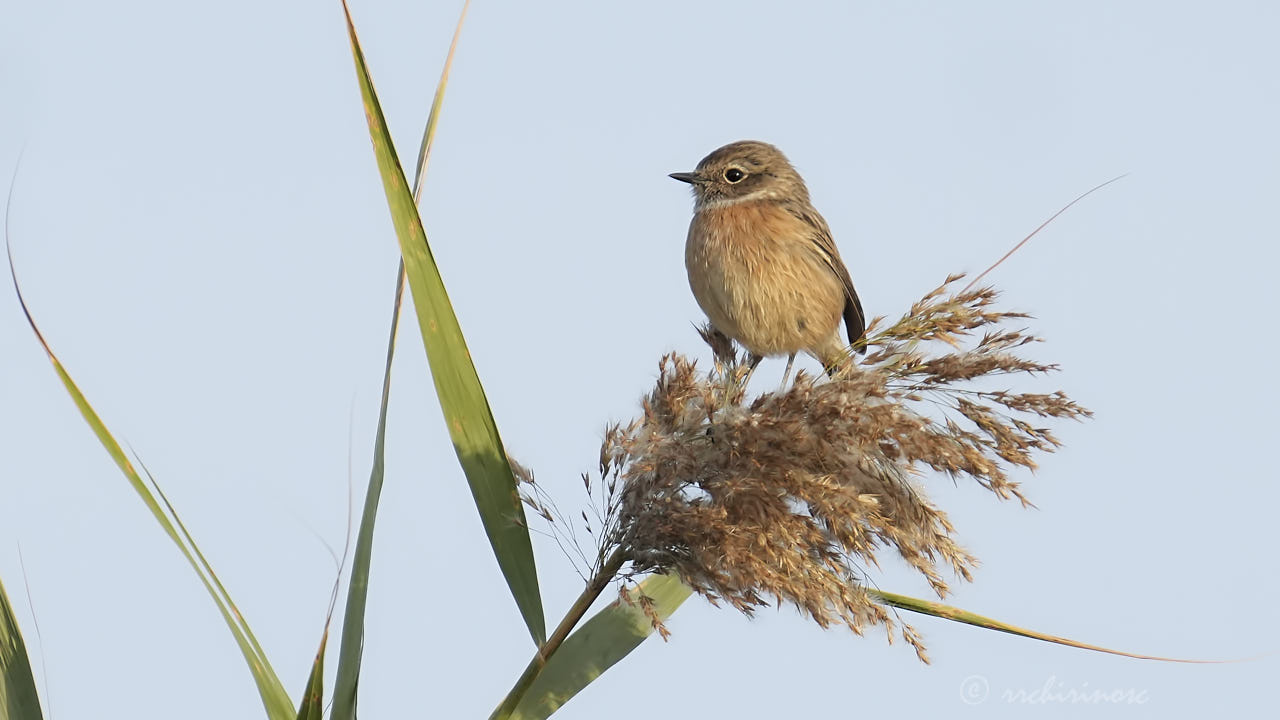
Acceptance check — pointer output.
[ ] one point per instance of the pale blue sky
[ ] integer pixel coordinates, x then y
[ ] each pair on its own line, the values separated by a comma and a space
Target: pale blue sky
199, 228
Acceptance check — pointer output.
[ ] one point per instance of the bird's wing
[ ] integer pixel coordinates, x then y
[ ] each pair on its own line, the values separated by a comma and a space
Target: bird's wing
855, 322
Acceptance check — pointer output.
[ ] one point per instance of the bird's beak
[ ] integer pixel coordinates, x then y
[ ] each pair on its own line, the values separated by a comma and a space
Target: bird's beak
685, 177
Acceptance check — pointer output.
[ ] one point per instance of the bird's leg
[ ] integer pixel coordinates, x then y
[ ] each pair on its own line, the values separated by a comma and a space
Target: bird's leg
786, 374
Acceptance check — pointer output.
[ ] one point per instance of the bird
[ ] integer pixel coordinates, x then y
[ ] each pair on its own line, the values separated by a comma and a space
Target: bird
762, 263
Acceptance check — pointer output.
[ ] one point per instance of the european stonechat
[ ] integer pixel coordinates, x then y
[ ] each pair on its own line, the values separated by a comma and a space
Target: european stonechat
761, 261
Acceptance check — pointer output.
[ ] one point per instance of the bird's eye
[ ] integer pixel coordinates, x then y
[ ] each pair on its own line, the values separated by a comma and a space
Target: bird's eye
734, 175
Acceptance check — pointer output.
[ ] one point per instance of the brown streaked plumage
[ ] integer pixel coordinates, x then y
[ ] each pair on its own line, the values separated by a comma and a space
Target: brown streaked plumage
761, 260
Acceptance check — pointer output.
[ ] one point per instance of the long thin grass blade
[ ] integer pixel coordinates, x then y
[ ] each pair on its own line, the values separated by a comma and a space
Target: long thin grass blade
18, 697
429, 133
264, 675
947, 612
462, 399
1033, 233
312, 705
351, 650
274, 697
598, 644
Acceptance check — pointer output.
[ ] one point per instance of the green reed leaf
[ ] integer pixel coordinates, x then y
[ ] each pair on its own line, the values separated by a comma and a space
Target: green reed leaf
352, 647
18, 697
312, 705
955, 614
274, 697
598, 644
462, 399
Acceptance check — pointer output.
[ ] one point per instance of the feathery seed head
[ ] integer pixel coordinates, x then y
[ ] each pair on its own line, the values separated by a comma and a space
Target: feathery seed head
791, 495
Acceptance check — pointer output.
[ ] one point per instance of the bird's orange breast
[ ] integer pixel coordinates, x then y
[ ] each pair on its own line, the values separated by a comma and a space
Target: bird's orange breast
756, 273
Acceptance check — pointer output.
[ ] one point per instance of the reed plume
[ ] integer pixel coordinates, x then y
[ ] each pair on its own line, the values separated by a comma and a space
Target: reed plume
789, 496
